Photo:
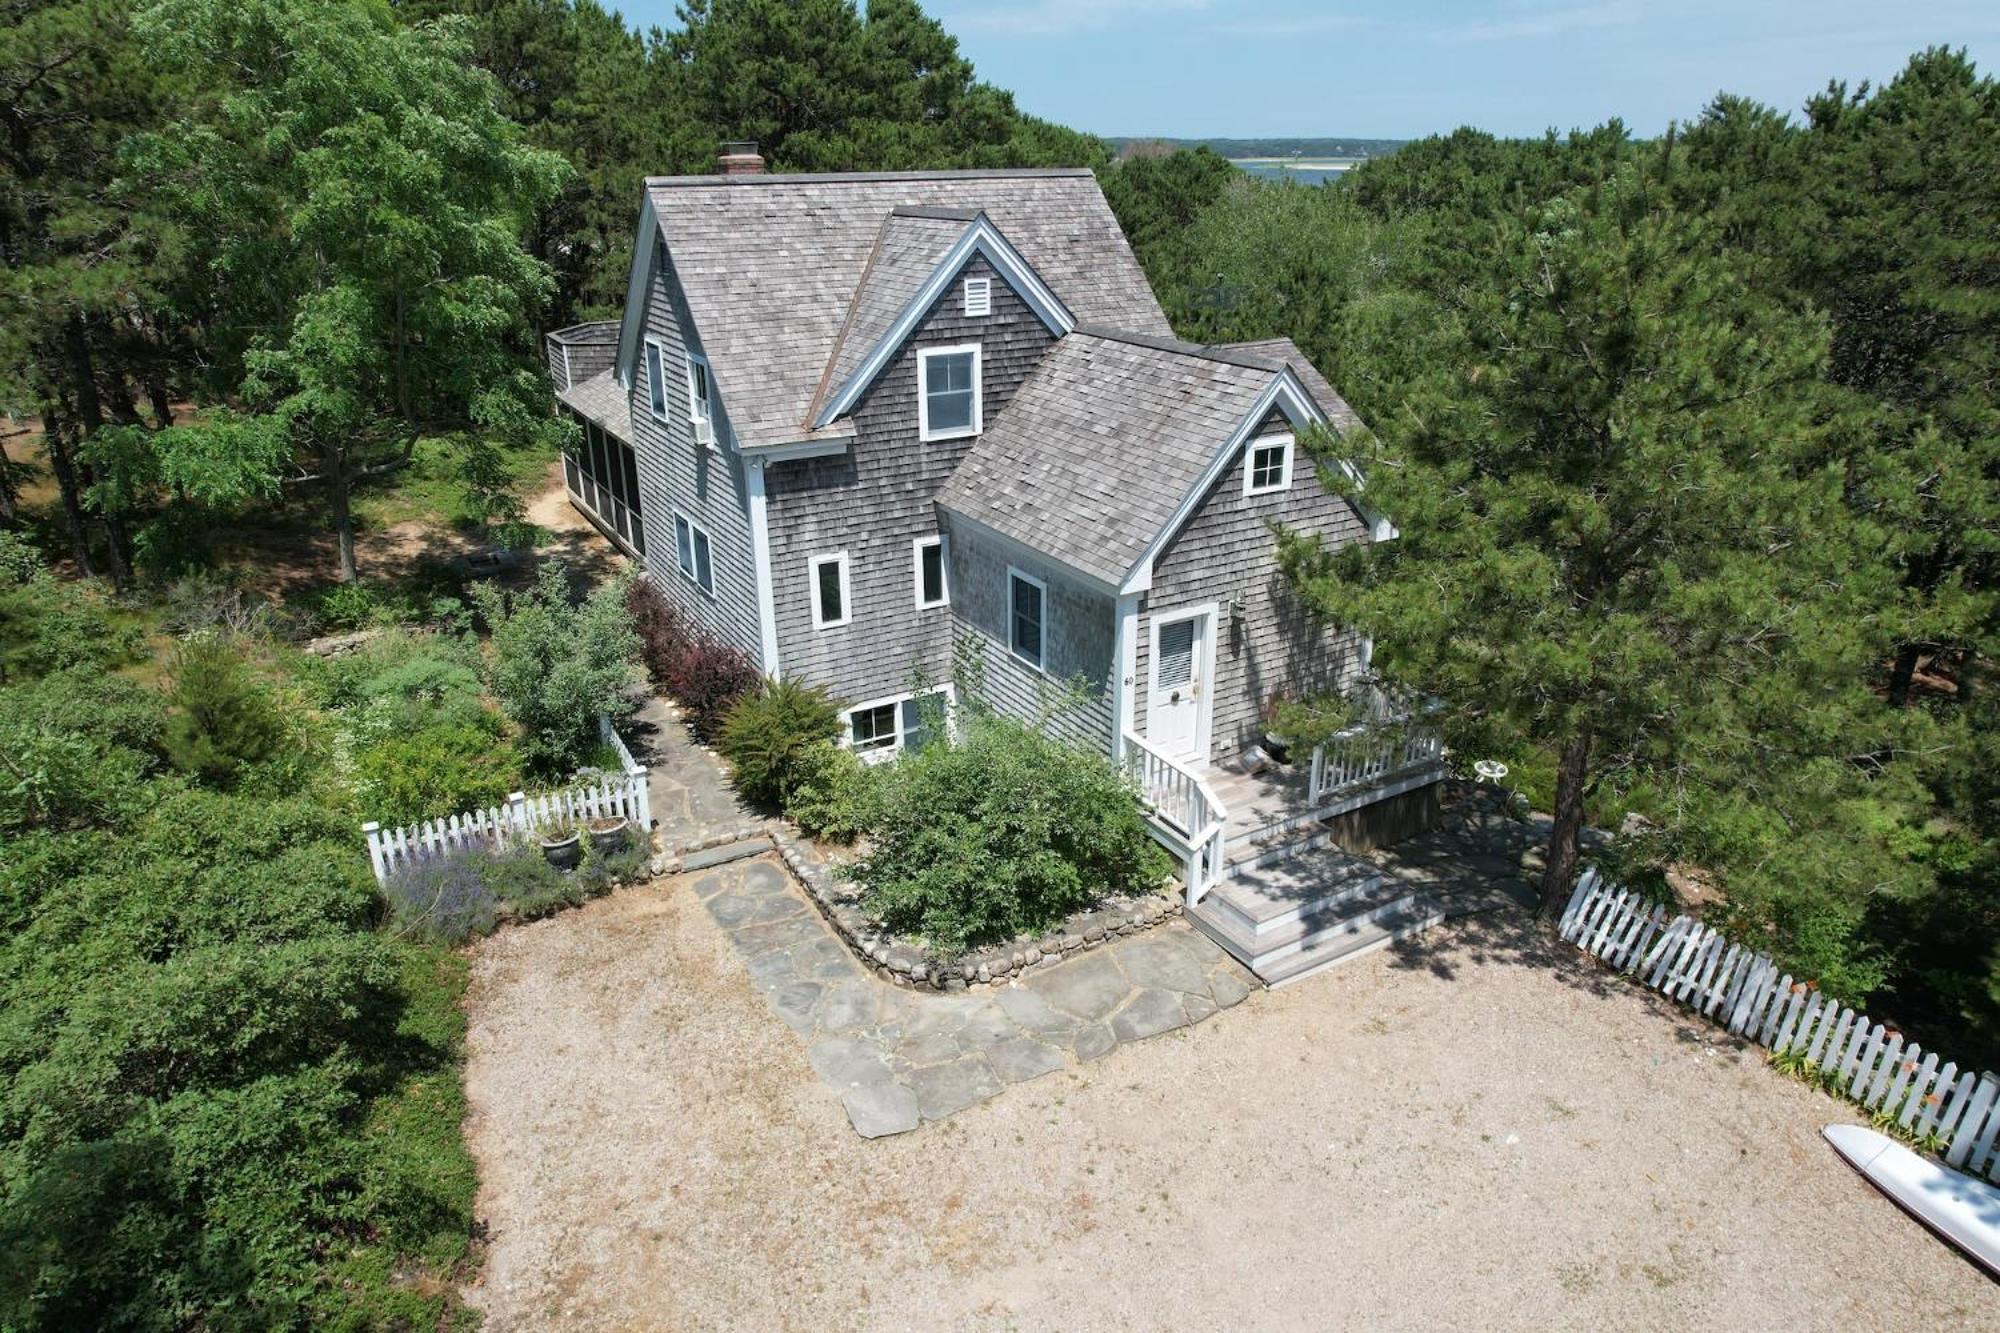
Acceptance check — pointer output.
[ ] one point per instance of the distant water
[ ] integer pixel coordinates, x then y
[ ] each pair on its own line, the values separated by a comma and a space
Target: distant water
1317, 173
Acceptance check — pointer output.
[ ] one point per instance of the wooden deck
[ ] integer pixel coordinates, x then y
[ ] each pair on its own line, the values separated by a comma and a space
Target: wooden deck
1269, 800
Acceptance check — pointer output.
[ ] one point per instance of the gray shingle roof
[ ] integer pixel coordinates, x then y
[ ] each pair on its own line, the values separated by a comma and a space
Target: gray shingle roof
908, 249
1284, 349
771, 265
1102, 442
602, 399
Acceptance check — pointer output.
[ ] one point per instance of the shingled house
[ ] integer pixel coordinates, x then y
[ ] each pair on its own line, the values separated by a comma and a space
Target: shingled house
849, 421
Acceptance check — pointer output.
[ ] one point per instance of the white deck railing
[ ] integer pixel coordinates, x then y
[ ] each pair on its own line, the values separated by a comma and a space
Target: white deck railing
1186, 811
1370, 753
625, 795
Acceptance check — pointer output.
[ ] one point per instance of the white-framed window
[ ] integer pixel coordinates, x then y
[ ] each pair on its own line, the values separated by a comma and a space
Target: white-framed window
948, 392
1267, 465
880, 729
873, 727
927, 558
1027, 616
978, 296
691, 553
656, 379
832, 598
701, 412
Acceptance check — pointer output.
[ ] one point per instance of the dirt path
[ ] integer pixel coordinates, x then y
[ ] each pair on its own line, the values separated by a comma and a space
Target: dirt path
1473, 1132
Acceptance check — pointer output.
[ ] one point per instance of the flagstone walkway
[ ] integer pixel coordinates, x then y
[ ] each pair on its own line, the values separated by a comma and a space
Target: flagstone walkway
898, 1057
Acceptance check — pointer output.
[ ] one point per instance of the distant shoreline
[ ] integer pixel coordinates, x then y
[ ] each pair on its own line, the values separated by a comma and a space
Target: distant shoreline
1302, 163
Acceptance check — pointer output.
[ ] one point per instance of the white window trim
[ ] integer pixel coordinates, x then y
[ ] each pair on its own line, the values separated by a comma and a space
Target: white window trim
881, 753
693, 566
700, 422
665, 411
1014, 572
917, 545
846, 589
924, 356
1290, 445
982, 305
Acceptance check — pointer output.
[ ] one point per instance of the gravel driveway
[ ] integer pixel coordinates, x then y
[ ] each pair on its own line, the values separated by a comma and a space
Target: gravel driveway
1475, 1131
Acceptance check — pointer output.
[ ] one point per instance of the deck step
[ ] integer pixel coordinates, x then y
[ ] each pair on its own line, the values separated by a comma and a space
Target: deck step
1267, 898
1362, 938
1269, 847
1309, 909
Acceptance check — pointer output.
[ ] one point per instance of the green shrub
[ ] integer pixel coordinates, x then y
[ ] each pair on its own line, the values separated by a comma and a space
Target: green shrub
76, 748
431, 597
404, 678
442, 770
223, 718
1003, 832
224, 1087
835, 796
522, 878
47, 624
558, 664
768, 733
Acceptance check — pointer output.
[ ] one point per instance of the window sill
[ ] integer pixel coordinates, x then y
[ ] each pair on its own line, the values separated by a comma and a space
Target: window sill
933, 437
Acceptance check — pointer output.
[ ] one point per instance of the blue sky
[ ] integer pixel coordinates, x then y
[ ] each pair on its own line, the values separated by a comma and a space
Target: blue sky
1377, 68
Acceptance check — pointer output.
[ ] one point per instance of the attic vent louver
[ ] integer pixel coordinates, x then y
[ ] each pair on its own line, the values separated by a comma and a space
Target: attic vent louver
978, 296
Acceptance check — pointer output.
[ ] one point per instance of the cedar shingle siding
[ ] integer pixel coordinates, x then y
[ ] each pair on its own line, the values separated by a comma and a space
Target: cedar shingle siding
1089, 445
1228, 550
875, 500
676, 475
1078, 623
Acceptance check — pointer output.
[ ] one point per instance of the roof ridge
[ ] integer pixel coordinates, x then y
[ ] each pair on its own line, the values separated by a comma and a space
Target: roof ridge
1222, 352
810, 177
933, 214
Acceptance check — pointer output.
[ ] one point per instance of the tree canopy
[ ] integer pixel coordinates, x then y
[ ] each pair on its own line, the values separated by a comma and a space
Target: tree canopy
1691, 447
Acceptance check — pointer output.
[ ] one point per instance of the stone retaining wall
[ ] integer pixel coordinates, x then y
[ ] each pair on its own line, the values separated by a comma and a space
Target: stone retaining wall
905, 965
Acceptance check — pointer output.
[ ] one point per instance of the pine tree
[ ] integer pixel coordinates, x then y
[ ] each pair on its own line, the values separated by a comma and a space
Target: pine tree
1611, 527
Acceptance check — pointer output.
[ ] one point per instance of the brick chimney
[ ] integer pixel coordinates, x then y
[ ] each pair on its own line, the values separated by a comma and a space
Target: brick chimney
740, 159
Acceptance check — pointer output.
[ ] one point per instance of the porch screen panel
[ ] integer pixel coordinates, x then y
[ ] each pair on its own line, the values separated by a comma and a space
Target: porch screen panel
1176, 654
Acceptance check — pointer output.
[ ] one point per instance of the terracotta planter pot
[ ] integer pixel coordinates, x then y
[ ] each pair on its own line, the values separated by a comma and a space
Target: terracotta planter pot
563, 853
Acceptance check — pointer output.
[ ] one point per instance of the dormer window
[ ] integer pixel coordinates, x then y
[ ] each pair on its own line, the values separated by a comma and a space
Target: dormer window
1267, 465
978, 297
948, 392
699, 410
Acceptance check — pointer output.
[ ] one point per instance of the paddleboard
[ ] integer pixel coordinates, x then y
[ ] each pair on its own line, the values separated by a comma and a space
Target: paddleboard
1963, 1210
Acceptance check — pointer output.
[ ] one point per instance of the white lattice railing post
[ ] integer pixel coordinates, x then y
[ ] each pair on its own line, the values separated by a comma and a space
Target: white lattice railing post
373, 832
517, 813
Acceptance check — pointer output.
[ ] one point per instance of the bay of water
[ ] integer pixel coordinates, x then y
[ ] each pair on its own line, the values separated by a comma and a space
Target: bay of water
1304, 175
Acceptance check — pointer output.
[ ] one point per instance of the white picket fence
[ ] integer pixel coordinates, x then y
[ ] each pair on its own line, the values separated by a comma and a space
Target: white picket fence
1744, 991
621, 796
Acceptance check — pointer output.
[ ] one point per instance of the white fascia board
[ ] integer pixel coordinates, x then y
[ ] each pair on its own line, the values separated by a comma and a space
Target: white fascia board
785, 453
982, 238
645, 246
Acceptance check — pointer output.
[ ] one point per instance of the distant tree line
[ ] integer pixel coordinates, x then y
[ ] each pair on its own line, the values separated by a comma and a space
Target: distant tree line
1694, 447
339, 226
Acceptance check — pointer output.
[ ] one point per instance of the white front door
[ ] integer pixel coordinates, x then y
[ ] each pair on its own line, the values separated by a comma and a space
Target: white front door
1177, 703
